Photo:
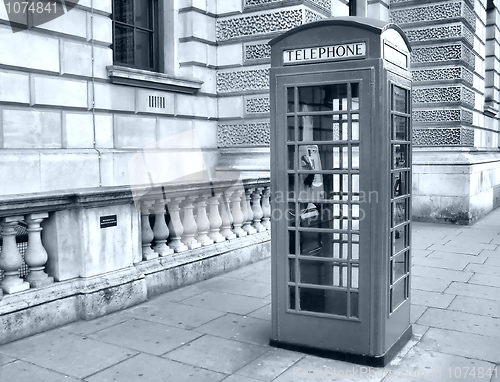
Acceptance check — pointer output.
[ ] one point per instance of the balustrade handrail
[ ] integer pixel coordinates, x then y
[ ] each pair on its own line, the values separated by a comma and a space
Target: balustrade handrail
112, 195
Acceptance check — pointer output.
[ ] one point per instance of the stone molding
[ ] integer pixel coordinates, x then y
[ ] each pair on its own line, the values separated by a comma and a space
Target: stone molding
243, 134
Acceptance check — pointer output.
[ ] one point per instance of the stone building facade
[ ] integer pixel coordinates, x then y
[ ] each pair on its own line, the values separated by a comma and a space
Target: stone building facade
73, 115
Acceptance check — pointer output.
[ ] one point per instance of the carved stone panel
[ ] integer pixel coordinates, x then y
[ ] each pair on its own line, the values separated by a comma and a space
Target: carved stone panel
443, 11
443, 53
453, 136
439, 33
257, 105
323, 4
242, 135
254, 51
242, 80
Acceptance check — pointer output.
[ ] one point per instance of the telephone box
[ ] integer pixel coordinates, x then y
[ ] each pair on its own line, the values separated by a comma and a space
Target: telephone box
341, 181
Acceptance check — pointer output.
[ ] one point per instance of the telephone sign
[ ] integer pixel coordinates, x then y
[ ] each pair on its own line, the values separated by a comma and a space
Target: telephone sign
341, 160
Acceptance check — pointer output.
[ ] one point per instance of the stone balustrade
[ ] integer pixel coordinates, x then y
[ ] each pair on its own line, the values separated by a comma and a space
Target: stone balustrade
171, 219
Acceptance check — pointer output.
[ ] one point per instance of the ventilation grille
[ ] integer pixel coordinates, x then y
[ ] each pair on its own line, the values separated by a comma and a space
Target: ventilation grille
157, 102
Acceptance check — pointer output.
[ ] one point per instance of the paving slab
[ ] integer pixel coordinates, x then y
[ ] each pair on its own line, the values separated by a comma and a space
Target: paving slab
239, 378
416, 312
240, 328
476, 305
217, 354
423, 365
148, 368
489, 280
495, 376
226, 302
67, 353
20, 371
4, 359
316, 369
474, 290
441, 273
183, 293
145, 336
456, 264
241, 287
173, 314
419, 330
467, 345
263, 313
429, 284
432, 299
88, 327
270, 365
462, 322
454, 256
484, 269
262, 277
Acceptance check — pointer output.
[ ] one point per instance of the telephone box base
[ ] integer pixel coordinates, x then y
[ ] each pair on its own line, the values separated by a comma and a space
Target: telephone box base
362, 359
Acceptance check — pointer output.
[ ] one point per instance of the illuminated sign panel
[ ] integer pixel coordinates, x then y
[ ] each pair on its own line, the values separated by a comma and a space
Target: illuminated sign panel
325, 53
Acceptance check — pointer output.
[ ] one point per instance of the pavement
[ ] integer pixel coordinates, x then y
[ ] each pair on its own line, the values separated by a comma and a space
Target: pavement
218, 330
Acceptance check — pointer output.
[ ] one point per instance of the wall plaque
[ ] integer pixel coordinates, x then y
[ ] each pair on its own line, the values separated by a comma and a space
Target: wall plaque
108, 221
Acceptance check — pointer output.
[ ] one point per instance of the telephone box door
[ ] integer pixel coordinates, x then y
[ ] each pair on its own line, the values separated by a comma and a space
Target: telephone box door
322, 142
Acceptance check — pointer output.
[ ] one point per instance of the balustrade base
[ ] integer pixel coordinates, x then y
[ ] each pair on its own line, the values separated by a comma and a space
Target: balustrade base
167, 252
41, 282
149, 256
16, 288
249, 229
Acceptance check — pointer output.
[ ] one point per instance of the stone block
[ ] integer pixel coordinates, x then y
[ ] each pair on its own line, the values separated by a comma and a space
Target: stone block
206, 134
29, 50
201, 73
14, 87
21, 171
444, 184
106, 166
31, 129
229, 6
76, 58
230, 55
68, 170
191, 106
102, 29
197, 25
134, 131
104, 131
73, 23
193, 51
150, 101
114, 97
56, 91
230, 107
103, 57
78, 130
175, 133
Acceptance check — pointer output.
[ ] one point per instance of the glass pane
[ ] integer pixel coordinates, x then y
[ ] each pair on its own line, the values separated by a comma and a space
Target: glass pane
355, 96
124, 45
400, 128
291, 242
318, 215
144, 49
323, 98
124, 11
291, 186
399, 212
398, 293
323, 157
291, 270
399, 99
291, 297
316, 272
340, 127
318, 128
143, 14
290, 100
340, 246
400, 184
316, 244
354, 276
355, 127
355, 251
399, 156
398, 240
341, 157
399, 266
323, 301
291, 128
355, 157
290, 214
354, 304
291, 157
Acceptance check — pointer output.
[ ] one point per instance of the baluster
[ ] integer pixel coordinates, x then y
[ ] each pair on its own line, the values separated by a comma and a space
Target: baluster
266, 208
202, 221
146, 231
36, 256
257, 210
226, 217
160, 229
189, 224
247, 213
237, 213
215, 219
10, 258
175, 225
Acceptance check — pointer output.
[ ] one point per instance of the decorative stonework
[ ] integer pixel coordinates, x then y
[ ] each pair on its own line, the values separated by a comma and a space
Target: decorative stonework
242, 80
311, 16
467, 116
324, 4
443, 53
438, 33
256, 51
427, 13
468, 97
440, 94
241, 135
469, 15
424, 116
454, 136
258, 24
257, 105
441, 74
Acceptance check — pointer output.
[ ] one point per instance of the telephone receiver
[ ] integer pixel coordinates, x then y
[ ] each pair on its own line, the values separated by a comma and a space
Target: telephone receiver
311, 185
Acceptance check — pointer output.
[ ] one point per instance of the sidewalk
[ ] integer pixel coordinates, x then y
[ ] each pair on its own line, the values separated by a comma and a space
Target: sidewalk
218, 330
